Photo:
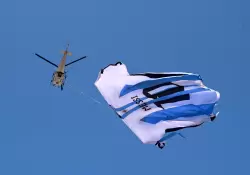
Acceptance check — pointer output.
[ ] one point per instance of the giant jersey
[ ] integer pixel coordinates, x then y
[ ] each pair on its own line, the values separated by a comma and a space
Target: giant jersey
151, 104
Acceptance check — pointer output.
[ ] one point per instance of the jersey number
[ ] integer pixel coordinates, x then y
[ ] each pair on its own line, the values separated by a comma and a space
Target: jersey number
170, 88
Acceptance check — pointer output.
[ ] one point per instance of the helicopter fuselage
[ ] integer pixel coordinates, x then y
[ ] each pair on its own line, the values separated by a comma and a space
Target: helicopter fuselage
58, 79
59, 75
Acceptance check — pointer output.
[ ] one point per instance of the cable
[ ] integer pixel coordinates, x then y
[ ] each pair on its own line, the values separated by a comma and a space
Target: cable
82, 93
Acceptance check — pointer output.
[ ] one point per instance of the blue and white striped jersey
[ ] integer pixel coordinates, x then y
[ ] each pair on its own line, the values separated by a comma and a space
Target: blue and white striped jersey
152, 103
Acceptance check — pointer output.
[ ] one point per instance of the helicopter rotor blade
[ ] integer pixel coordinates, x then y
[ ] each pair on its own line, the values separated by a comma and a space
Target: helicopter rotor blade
75, 61
46, 60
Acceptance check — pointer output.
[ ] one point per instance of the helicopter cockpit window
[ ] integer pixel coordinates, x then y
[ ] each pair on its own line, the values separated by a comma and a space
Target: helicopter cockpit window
59, 74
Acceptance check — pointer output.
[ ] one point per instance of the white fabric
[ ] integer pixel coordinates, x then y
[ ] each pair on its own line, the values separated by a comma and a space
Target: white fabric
115, 77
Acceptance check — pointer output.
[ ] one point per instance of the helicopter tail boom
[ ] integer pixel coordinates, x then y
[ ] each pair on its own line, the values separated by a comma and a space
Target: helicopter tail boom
66, 52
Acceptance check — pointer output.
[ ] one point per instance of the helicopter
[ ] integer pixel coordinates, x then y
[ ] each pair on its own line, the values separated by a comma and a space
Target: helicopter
59, 76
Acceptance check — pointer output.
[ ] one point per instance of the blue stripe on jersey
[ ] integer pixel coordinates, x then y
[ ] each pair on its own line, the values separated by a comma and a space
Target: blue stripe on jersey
165, 98
148, 83
181, 111
144, 98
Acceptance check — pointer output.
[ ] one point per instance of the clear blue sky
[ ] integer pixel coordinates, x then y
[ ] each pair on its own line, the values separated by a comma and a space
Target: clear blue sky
44, 131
